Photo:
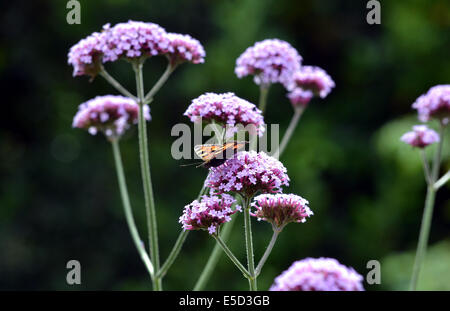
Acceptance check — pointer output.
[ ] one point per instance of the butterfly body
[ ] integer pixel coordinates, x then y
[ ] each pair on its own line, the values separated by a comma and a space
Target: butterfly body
216, 154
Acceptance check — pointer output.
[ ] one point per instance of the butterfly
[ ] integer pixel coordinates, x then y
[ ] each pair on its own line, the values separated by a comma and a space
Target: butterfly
216, 154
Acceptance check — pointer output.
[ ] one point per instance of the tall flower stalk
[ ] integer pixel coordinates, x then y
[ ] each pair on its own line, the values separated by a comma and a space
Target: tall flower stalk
253, 286
298, 111
127, 208
425, 227
112, 116
268, 251
263, 94
146, 175
433, 105
214, 257
134, 42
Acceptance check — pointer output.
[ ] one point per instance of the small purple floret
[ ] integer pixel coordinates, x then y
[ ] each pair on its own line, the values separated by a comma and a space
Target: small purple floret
421, 136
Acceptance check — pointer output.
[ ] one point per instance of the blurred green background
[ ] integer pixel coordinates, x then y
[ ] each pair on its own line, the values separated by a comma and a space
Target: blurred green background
59, 196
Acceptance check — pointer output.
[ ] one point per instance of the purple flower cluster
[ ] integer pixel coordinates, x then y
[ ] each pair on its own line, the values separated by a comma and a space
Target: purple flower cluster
228, 110
321, 274
184, 48
421, 136
247, 173
434, 104
280, 209
307, 82
270, 61
86, 55
208, 213
299, 97
132, 40
109, 114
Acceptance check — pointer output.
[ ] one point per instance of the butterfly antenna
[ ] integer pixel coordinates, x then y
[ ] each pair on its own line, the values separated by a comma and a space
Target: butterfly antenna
190, 164
201, 164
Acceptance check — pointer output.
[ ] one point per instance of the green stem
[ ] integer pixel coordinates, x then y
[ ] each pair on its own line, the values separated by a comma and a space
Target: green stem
146, 177
423, 236
269, 248
249, 245
173, 254
263, 92
219, 132
231, 256
426, 168
116, 84
298, 111
127, 208
427, 216
169, 69
437, 157
442, 181
214, 257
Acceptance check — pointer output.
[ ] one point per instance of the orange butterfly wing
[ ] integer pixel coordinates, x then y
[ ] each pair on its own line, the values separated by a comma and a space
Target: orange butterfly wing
209, 152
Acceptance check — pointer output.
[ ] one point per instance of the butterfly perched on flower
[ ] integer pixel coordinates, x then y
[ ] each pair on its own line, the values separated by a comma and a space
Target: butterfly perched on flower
216, 154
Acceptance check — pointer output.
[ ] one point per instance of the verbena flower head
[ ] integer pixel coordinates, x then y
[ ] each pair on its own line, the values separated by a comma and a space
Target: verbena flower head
184, 48
421, 136
321, 274
280, 209
434, 104
228, 110
307, 82
109, 114
208, 213
299, 97
132, 40
247, 173
86, 55
269, 61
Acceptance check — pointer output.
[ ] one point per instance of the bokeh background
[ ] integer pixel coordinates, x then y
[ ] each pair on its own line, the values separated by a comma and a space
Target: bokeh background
58, 191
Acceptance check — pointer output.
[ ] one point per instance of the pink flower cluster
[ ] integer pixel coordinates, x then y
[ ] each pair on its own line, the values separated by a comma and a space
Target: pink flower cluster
86, 55
421, 136
184, 48
208, 213
109, 114
228, 110
434, 104
248, 173
321, 274
299, 97
307, 82
132, 40
270, 61
280, 209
